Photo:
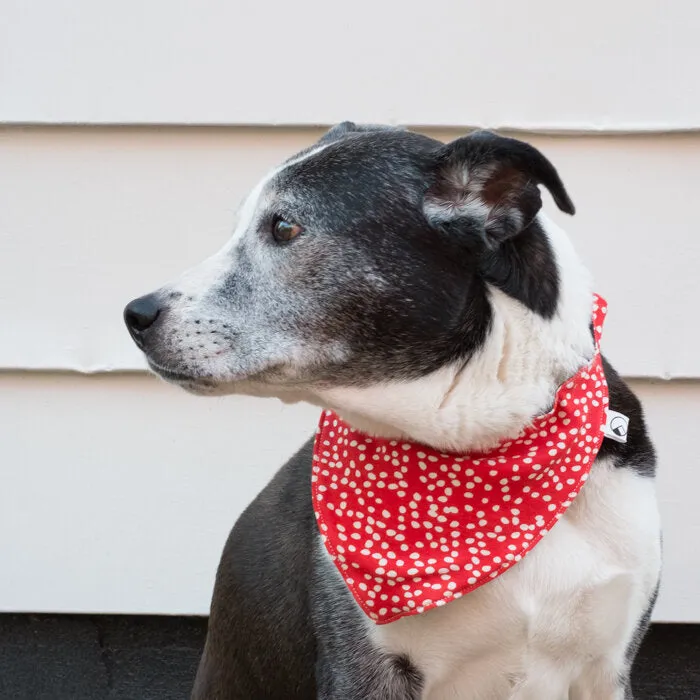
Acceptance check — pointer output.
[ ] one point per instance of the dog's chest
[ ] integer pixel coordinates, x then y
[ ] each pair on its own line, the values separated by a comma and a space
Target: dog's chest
579, 594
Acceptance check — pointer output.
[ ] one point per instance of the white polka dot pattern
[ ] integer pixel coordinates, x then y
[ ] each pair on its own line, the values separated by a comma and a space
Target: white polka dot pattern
411, 528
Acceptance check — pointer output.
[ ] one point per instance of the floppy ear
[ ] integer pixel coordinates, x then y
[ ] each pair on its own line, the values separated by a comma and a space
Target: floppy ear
486, 186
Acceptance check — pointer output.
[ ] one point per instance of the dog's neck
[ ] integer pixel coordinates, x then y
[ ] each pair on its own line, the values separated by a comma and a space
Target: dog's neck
492, 397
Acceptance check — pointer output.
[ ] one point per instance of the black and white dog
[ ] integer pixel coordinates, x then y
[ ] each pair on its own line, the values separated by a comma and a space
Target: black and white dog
416, 289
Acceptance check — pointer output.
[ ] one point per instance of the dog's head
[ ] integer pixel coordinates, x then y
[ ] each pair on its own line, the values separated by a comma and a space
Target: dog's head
366, 258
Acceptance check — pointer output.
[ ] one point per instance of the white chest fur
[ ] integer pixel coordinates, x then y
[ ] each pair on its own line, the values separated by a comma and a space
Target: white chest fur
558, 625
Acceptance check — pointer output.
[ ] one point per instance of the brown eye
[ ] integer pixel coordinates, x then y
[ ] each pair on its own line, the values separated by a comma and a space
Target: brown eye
284, 230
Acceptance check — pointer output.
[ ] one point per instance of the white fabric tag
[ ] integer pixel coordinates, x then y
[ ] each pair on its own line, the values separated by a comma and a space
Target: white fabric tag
616, 426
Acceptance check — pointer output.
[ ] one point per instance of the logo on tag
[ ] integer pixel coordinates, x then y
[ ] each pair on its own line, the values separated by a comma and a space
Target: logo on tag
616, 426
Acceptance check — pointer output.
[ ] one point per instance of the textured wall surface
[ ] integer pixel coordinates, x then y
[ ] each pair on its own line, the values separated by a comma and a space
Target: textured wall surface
597, 66
117, 491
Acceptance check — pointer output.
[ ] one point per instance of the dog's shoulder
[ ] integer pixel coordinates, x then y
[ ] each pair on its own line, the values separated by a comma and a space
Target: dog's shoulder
279, 523
260, 595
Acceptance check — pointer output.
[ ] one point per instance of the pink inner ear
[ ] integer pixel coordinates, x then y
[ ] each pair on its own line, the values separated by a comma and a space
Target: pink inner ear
497, 196
503, 188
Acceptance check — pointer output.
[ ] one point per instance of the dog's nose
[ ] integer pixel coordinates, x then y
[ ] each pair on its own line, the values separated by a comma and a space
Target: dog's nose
140, 315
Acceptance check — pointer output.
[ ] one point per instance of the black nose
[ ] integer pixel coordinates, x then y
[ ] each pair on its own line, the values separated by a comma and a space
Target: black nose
140, 315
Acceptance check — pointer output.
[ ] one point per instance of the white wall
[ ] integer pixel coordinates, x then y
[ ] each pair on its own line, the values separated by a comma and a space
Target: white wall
116, 491
540, 64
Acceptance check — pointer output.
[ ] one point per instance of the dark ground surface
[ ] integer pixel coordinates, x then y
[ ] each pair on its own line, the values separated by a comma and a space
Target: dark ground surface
75, 657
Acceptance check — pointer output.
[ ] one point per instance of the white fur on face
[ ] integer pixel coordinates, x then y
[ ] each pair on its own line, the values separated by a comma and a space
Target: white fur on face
198, 325
200, 279
498, 392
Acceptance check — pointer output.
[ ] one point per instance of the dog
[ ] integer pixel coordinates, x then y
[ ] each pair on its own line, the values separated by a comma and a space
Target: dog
416, 292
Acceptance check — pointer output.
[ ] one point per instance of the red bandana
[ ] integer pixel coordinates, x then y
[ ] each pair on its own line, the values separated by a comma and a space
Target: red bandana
411, 528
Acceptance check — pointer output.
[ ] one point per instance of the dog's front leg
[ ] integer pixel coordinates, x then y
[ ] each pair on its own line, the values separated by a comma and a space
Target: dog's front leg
377, 677
350, 665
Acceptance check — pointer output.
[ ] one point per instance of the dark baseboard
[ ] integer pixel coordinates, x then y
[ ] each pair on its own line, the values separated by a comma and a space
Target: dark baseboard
98, 657
112, 657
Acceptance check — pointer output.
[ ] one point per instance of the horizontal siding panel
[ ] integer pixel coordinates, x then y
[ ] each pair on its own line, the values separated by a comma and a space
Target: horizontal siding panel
599, 65
121, 490
90, 218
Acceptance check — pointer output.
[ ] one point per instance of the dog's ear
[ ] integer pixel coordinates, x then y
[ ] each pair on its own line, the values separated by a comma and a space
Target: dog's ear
338, 131
485, 186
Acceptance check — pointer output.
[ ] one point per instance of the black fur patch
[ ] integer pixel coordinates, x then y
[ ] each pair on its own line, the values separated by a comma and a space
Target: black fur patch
408, 297
524, 268
260, 642
638, 452
370, 243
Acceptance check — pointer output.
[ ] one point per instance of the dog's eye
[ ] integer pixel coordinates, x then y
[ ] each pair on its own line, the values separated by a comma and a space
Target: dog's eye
284, 230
